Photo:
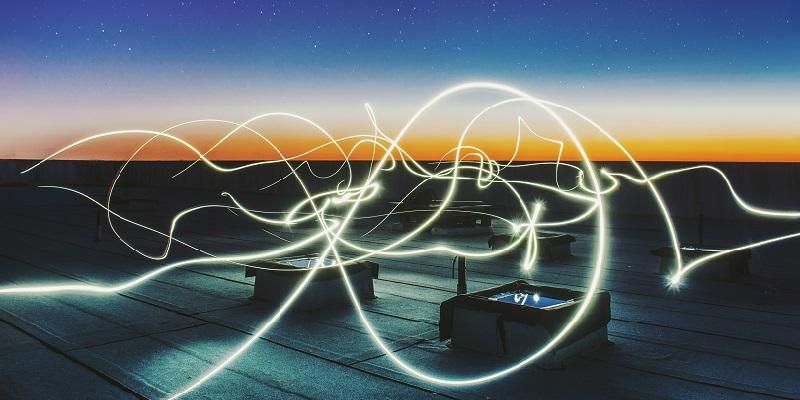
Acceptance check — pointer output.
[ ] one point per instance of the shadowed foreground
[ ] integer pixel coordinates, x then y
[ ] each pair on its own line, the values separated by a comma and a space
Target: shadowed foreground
711, 340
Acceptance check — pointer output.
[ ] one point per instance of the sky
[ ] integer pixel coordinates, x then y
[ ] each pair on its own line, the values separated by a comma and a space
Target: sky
677, 80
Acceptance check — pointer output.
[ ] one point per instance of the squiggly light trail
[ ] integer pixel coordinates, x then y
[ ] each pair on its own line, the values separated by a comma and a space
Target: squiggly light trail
466, 159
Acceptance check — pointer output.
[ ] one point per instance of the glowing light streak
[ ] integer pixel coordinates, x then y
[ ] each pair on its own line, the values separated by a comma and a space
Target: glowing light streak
532, 246
466, 160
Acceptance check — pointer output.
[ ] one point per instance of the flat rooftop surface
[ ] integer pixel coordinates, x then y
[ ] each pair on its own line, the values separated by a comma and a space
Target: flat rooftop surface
709, 340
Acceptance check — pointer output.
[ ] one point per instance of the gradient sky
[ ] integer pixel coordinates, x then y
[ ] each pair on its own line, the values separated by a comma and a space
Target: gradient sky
677, 80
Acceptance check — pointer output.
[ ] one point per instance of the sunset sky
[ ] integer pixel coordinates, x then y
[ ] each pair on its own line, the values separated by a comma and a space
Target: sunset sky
677, 80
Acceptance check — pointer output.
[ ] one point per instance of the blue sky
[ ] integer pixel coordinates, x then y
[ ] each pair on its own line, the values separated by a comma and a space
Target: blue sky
450, 38
684, 67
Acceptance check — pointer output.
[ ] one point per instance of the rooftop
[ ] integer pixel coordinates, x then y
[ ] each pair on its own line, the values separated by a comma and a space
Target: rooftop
710, 339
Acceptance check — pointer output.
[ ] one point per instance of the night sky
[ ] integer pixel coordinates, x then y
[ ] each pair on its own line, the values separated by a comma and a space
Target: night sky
98, 65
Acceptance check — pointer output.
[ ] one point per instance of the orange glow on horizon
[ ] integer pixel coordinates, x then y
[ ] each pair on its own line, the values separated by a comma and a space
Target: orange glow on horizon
675, 148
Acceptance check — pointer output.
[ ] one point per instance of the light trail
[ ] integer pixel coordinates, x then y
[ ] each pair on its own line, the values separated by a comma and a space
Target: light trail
335, 210
531, 245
